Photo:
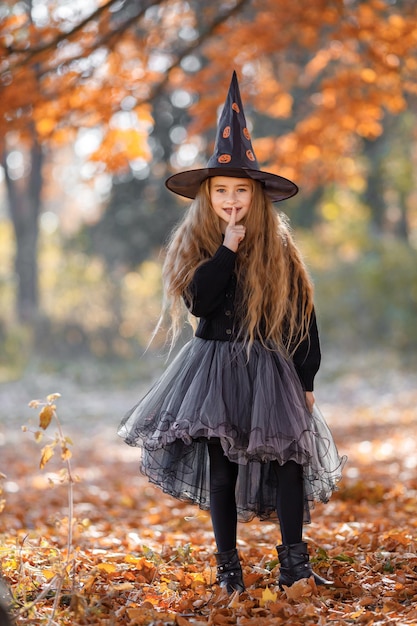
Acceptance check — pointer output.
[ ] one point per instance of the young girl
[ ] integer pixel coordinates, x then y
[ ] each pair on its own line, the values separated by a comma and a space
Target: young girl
231, 425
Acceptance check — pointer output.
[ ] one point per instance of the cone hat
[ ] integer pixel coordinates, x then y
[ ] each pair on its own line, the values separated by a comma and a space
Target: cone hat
233, 156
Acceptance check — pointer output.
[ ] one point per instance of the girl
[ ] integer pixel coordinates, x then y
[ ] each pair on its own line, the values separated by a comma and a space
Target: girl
231, 425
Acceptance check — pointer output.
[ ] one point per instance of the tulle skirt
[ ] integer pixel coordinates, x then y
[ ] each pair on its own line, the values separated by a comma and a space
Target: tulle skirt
254, 406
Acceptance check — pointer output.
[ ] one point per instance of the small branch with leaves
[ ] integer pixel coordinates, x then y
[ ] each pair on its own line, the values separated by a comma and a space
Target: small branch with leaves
47, 416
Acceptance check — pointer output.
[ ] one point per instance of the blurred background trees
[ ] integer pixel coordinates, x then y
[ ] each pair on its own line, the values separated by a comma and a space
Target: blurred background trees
101, 101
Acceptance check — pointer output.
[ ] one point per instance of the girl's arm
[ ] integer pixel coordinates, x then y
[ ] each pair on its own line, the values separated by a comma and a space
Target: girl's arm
210, 281
207, 289
310, 400
307, 356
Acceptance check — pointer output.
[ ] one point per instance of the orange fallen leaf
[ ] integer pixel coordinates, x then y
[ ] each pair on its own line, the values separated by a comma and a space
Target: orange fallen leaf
109, 568
123, 586
300, 589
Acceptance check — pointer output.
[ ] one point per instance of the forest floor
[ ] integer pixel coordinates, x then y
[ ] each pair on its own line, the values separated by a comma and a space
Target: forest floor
138, 557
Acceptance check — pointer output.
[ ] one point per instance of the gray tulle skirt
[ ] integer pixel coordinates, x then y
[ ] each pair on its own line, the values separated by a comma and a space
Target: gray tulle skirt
255, 407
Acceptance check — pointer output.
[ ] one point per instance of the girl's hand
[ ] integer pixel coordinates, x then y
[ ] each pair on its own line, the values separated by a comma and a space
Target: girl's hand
234, 233
310, 400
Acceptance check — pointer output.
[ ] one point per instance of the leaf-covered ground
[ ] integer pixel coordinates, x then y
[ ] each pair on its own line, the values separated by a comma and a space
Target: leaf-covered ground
141, 558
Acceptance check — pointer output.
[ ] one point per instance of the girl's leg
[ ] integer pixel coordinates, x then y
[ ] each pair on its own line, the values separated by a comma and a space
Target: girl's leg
293, 553
290, 501
223, 476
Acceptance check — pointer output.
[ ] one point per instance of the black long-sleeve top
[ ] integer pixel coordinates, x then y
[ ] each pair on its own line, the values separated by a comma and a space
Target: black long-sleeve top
214, 299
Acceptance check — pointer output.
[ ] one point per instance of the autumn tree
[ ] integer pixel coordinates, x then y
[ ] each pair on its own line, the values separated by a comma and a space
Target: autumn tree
141, 211
326, 75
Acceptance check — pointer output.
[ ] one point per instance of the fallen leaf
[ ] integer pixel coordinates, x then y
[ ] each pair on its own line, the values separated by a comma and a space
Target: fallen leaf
300, 589
267, 596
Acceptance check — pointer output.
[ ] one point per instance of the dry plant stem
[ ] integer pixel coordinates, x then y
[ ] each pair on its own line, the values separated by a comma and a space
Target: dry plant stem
47, 413
60, 577
60, 580
70, 494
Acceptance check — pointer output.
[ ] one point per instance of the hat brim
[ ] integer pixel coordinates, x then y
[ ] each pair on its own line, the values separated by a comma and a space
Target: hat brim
188, 183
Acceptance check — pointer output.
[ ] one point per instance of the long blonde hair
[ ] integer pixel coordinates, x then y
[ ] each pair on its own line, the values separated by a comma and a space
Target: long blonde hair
276, 290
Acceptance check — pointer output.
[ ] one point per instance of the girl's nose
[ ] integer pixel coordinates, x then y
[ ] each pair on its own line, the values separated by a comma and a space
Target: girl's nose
231, 197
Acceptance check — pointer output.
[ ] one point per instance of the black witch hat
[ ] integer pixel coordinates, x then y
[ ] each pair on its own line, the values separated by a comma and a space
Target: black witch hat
233, 156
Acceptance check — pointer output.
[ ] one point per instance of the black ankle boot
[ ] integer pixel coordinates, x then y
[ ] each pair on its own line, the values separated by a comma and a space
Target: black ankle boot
294, 561
229, 571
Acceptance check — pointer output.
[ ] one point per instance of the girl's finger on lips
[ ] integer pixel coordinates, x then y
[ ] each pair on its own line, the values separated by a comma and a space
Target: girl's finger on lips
232, 221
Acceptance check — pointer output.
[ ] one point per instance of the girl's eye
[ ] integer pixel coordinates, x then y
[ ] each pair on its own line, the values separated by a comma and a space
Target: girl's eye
239, 190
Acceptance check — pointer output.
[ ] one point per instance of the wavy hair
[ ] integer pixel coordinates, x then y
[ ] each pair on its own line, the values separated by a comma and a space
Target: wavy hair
272, 278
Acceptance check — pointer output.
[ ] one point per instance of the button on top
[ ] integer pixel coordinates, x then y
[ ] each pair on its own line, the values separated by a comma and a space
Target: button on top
228, 331
228, 313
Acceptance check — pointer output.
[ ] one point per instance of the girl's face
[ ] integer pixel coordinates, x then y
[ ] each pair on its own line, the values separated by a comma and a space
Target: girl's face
226, 193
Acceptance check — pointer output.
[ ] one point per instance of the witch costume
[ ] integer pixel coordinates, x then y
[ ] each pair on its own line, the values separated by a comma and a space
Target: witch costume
213, 391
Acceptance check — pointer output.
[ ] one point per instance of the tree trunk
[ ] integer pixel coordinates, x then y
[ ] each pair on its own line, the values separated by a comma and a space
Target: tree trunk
24, 196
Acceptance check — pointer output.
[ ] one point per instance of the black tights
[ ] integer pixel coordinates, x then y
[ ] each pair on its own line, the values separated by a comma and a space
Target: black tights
290, 499
223, 475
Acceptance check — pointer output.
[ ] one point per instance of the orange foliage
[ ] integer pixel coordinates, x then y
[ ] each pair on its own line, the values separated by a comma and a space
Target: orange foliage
341, 67
332, 70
